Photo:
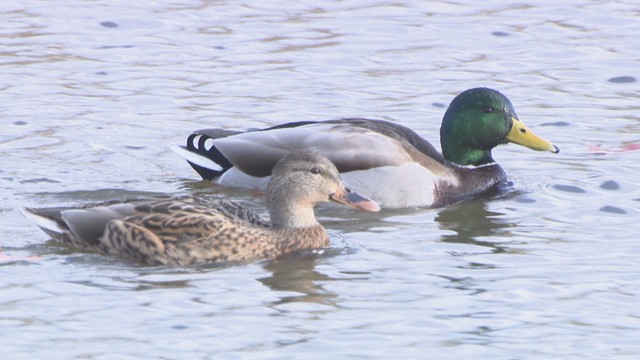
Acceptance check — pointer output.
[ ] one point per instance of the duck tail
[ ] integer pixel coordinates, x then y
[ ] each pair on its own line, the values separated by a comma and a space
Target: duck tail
51, 222
203, 156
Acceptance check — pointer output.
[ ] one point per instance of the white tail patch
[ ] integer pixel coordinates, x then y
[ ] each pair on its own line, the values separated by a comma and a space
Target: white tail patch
195, 158
42, 221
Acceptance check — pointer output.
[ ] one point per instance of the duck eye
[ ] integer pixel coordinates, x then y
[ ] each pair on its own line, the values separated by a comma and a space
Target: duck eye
315, 170
487, 110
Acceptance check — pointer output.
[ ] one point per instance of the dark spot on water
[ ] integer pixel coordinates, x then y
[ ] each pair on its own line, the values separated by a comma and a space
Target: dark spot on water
622, 79
569, 188
359, 273
524, 200
109, 24
131, 147
101, 73
180, 327
219, 47
439, 105
115, 47
612, 210
555, 123
286, 343
39, 180
475, 265
19, 122
610, 185
500, 33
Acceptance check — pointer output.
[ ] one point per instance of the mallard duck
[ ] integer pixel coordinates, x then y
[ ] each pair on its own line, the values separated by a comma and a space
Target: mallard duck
388, 162
188, 230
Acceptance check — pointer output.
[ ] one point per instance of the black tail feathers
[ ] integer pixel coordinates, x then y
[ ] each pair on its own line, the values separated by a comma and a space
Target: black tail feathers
197, 144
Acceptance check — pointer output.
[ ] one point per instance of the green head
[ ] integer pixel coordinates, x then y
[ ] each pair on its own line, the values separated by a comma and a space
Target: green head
480, 119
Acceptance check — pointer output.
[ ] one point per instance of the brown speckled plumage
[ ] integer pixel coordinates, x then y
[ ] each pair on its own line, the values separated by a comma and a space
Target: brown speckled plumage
187, 230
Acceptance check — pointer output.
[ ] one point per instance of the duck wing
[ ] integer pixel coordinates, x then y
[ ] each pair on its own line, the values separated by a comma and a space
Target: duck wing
396, 131
84, 227
351, 144
185, 232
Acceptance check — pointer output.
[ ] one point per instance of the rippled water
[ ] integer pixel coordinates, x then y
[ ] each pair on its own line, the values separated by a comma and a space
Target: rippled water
93, 92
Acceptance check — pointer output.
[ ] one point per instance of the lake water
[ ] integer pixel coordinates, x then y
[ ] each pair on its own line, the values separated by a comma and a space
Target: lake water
94, 92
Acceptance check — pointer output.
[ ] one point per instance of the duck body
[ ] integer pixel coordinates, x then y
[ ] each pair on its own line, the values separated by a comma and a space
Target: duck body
186, 230
388, 162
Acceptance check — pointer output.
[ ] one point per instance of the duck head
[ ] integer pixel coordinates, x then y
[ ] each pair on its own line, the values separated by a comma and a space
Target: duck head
480, 119
300, 181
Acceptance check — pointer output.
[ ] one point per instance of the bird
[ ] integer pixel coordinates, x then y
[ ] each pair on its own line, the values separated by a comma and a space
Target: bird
389, 162
188, 230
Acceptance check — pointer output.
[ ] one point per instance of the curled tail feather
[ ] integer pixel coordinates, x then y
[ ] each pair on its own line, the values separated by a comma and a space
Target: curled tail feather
202, 154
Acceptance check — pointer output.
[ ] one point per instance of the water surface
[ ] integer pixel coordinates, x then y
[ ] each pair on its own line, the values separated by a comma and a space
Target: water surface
93, 92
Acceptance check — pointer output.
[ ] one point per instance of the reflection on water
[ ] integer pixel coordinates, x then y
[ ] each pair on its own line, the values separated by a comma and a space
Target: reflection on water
135, 284
297, 274
472, 221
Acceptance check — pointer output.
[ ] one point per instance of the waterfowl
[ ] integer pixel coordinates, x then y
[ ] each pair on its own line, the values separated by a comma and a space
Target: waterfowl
389, 162
186, 230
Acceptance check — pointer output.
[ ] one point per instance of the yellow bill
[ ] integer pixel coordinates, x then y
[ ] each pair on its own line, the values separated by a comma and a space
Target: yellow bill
521, 135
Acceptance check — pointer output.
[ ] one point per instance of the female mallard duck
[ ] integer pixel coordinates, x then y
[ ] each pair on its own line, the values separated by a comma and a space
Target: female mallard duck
388, 162
188, 230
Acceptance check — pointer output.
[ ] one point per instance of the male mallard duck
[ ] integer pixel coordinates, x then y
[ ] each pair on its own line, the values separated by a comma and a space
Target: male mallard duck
187, 230
388, 162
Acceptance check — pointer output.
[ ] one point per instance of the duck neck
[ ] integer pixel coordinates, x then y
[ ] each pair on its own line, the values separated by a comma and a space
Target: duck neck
287, 215
291, 240
466, 156
297, 228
